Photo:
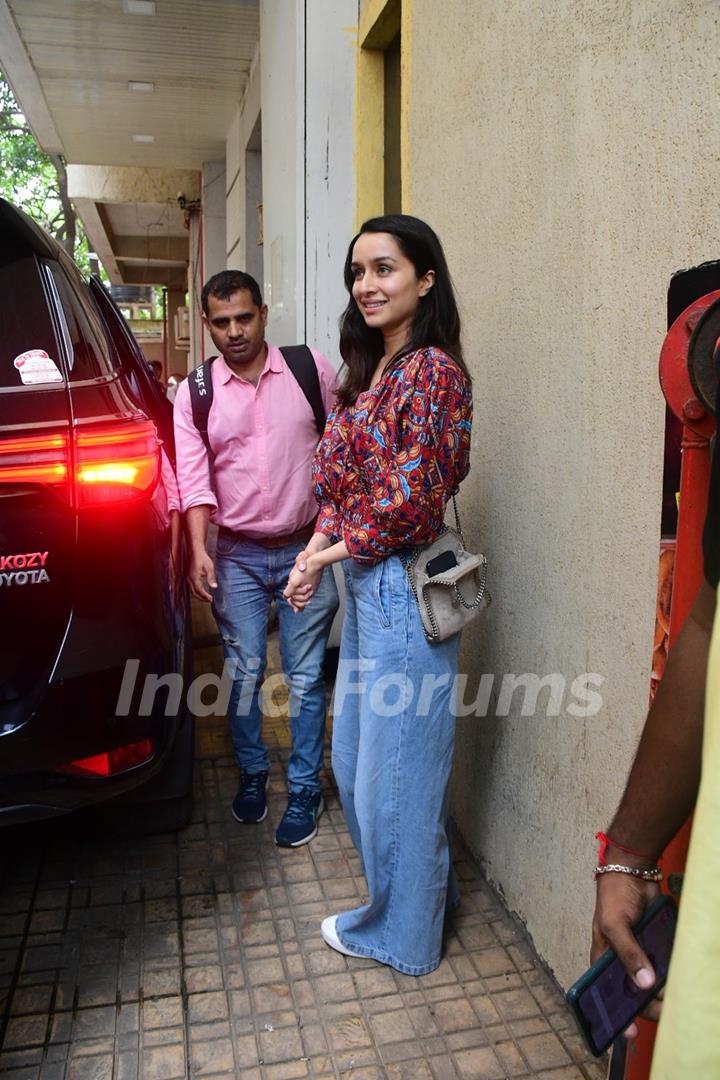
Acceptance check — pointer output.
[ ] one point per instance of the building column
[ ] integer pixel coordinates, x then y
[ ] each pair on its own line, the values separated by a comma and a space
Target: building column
177, 356
196, 276
213, 227
213, 204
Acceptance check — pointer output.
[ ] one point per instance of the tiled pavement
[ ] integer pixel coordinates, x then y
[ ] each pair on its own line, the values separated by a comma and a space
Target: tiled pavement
199, 954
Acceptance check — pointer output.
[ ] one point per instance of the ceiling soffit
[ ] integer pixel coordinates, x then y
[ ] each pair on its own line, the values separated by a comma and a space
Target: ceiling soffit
134, 221
70, 65
85, 54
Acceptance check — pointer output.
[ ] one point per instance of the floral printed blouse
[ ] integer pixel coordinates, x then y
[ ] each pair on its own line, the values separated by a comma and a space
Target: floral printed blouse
387, 465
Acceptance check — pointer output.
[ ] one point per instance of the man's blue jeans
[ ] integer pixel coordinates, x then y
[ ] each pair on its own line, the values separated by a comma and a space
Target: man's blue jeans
249, 577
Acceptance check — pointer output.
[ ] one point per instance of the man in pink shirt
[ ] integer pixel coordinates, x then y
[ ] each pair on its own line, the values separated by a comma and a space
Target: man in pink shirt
255, 485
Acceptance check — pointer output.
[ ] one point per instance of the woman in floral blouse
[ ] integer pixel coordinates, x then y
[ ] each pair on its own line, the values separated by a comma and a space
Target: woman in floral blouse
394, 451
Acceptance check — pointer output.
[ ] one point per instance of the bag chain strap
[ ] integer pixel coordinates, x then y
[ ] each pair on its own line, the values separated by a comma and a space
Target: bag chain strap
482, 574
457, 522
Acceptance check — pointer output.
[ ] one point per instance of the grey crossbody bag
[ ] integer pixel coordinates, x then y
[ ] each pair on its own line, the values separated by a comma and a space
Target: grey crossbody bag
448, 582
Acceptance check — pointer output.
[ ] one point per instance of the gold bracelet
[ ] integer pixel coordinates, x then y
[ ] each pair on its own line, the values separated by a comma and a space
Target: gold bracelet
655, 874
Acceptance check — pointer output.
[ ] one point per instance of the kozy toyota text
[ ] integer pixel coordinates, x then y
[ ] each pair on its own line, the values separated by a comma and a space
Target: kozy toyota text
27, 568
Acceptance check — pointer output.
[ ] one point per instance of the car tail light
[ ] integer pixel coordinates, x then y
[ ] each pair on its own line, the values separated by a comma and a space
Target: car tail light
116, 461
112, 762
34, 459
113, 461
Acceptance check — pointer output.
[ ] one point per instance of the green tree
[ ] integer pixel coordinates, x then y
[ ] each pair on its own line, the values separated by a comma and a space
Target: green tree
36, 181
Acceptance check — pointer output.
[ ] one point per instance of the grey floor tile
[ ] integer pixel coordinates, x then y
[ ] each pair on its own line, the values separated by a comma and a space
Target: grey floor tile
146, 958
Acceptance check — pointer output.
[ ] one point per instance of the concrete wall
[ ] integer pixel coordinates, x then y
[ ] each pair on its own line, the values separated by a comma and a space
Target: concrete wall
300, 93
177, 357
200, 344
330, 197
282, 51
214, 228
567, 157
254, 205
239, 135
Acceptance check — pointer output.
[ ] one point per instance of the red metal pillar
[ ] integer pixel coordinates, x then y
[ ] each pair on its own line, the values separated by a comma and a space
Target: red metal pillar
698, 428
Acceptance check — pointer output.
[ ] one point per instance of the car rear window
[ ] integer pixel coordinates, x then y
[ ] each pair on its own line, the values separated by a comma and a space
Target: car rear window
26, 331
91, 351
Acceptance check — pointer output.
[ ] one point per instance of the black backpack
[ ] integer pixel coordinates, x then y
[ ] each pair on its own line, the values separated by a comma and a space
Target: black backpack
301, 363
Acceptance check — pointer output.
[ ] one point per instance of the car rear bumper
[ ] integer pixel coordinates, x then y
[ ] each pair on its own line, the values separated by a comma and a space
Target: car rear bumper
77, 719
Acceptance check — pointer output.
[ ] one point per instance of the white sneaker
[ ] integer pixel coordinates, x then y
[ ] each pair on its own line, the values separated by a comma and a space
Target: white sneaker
329, 933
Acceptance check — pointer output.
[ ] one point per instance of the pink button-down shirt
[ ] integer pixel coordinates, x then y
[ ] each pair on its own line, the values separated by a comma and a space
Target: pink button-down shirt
263, 438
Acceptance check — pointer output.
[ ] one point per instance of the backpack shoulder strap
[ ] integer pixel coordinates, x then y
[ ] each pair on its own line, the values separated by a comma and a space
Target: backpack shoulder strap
201, 396
302, 364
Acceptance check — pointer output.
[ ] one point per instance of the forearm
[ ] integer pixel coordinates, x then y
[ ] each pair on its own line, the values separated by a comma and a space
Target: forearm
665, 775
197, 519
318, 542
332, 554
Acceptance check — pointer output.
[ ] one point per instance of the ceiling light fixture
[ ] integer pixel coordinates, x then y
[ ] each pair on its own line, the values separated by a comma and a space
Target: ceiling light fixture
139, 7
142, 87
143, 138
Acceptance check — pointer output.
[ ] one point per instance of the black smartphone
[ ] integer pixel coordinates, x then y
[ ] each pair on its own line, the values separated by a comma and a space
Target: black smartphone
605, 999
442, 562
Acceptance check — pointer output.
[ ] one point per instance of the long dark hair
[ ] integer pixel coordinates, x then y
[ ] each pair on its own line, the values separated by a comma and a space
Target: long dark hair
436, 320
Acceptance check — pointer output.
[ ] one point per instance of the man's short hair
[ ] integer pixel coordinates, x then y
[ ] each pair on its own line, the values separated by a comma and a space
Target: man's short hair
225, 284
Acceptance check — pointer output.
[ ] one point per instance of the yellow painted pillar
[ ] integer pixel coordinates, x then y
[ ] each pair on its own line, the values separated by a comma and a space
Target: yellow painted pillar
406, 43
379, 24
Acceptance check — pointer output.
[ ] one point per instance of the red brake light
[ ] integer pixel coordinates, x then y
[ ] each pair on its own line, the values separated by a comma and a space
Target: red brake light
116, 462
34, 459
112, 762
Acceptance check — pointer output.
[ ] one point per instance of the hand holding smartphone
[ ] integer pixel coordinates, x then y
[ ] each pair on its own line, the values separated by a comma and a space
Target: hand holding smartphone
605, 1000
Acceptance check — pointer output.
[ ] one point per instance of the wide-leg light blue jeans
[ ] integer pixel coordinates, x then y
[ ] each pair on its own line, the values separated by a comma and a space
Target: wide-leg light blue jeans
393, 733
249, 577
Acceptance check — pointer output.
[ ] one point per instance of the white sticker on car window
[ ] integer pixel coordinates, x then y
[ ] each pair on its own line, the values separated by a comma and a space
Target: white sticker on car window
35, 366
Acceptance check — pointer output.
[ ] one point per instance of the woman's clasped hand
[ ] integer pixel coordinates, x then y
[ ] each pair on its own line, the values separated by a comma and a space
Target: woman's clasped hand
303, 581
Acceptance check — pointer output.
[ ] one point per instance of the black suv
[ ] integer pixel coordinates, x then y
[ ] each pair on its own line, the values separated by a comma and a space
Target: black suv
92, 594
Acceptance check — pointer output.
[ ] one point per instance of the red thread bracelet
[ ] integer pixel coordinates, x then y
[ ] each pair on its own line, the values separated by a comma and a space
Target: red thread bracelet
606, 841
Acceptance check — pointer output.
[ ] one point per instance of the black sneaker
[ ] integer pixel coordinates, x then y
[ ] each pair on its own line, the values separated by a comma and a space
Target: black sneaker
300, 821
250, 803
